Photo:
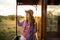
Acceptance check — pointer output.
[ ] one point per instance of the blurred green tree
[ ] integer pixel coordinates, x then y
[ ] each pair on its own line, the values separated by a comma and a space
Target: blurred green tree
11, 17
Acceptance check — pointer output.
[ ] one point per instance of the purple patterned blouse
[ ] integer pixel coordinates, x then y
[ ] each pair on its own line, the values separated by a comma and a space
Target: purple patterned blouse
30, 30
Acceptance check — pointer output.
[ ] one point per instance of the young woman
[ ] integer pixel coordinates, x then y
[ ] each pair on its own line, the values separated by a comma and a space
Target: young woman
28, 26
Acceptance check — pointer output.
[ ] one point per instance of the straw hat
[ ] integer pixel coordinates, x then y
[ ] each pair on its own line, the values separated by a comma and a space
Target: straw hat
29, 11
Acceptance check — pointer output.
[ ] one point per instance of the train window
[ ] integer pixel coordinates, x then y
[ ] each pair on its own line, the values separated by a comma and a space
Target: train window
22, 7
52, 24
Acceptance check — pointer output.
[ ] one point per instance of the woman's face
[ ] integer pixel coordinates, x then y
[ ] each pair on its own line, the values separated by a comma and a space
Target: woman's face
27, 16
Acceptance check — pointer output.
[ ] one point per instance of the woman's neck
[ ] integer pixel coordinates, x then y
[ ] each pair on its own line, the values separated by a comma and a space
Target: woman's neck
27, 21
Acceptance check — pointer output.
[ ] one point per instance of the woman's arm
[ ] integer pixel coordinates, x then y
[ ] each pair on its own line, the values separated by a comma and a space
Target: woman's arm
19, 23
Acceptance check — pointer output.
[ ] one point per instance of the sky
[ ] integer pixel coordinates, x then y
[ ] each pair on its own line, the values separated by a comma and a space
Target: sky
21, 9
8, 7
